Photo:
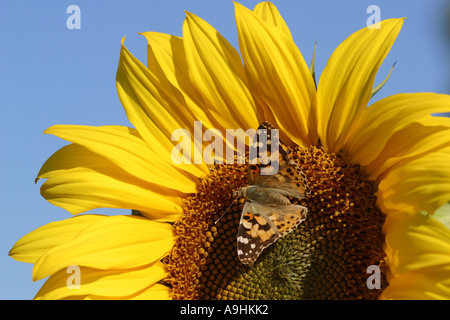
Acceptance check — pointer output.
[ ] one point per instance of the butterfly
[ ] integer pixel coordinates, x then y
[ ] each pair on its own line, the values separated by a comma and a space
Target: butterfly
268, 213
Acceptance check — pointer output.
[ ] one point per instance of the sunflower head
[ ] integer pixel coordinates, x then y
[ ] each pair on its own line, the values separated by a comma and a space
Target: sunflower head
327, 256
347, 216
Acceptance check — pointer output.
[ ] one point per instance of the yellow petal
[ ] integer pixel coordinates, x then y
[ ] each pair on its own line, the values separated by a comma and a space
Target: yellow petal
117, 242
276, 66
166, 59
426, 284
422, 184
124, 147
269, 13
415, 140
346, 83
418, 255
155, 110
80, 180
382, 119
107, 283
155, 292
33, 245
217, 72
415, 241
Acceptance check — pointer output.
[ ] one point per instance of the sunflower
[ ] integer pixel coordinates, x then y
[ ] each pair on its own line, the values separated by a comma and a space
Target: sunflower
376, 175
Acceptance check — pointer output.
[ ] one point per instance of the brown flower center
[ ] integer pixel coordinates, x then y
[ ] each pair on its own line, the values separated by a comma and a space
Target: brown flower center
326, 257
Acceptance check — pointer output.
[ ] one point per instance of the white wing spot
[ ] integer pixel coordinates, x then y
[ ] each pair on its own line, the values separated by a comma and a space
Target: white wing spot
243, 240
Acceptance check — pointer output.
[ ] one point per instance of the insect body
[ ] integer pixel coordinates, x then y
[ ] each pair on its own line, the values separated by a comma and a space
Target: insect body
268, 214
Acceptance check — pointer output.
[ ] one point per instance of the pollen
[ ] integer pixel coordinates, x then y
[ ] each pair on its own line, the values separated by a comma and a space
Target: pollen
326, 257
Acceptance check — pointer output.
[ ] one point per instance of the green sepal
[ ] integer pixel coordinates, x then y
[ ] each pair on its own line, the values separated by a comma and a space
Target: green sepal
381, 85
312, 65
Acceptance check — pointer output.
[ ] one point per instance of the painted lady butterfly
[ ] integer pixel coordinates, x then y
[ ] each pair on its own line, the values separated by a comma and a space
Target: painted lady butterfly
268, 214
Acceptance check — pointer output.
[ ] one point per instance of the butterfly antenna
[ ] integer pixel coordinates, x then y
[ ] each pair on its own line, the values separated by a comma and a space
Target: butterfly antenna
215, 222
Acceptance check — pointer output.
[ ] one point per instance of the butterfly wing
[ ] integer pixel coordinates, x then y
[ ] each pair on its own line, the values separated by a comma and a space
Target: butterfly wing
287, 177
268, 214
286, 218
290, 181
264, 154
256, 232
261, 225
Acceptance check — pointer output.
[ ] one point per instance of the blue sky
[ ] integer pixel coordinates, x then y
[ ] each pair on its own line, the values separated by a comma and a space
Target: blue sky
50, 75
